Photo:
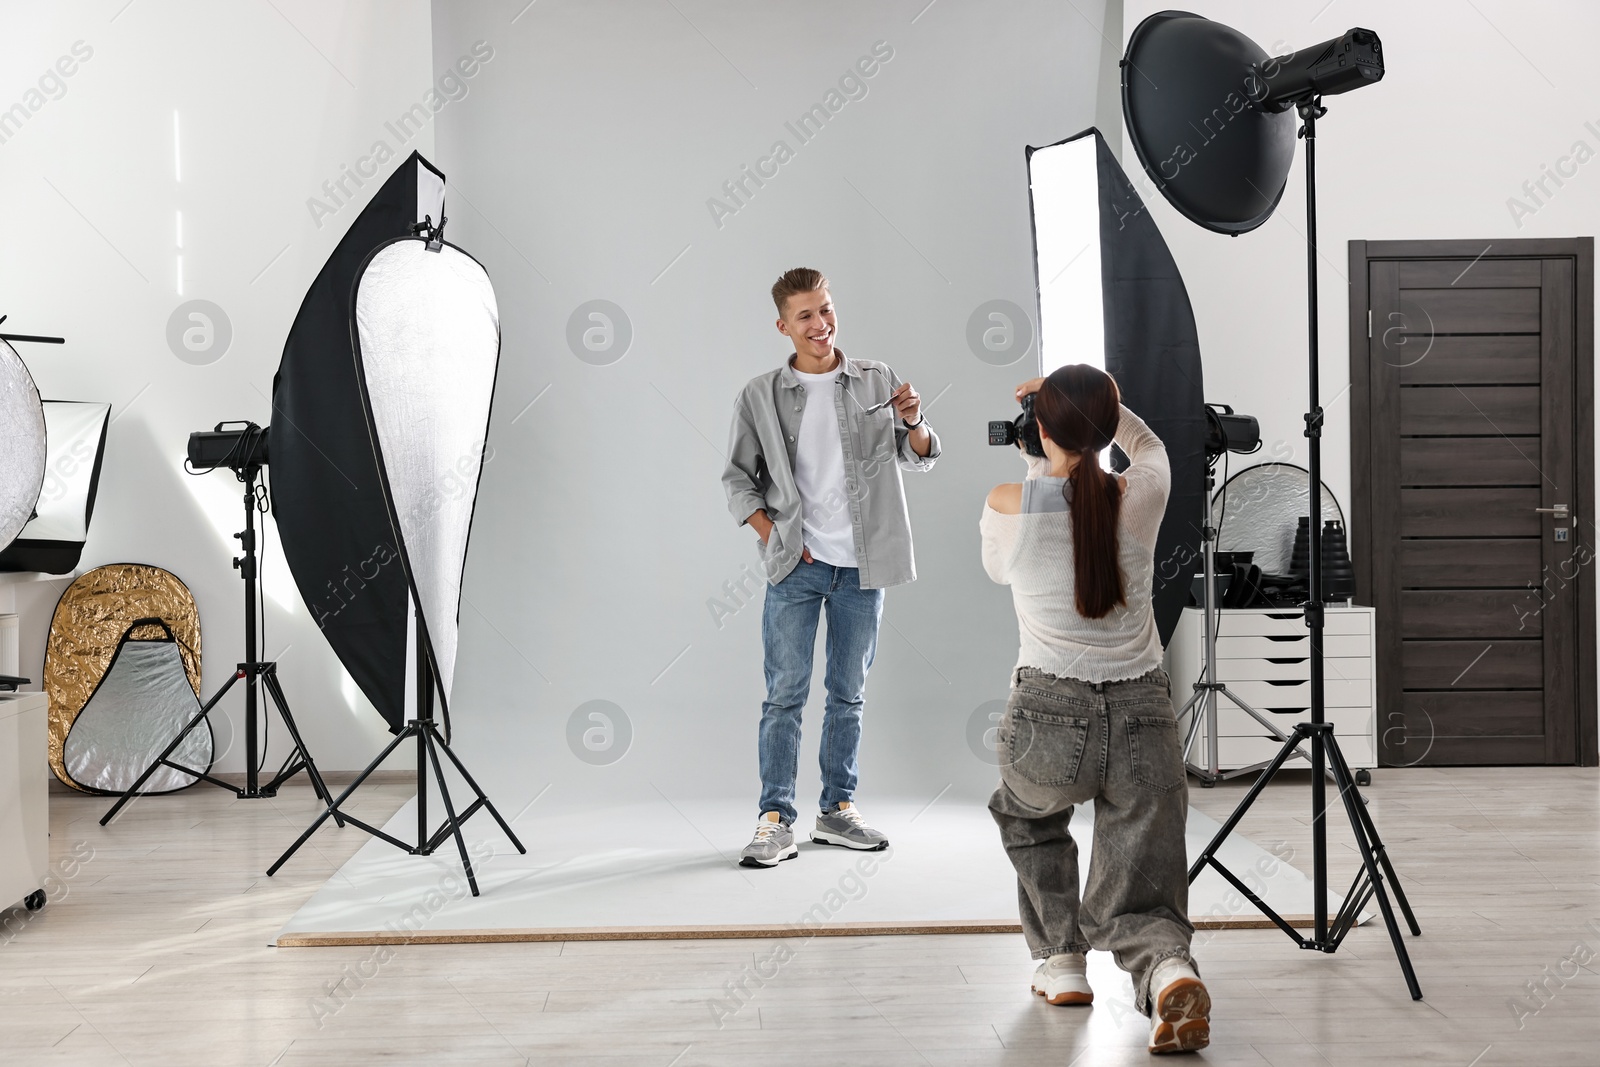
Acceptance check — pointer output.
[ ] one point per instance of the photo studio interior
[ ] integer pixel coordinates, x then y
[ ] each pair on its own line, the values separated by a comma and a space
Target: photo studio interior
699, 532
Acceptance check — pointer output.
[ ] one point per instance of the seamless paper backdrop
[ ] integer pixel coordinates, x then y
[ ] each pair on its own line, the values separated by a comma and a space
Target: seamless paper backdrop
634, 185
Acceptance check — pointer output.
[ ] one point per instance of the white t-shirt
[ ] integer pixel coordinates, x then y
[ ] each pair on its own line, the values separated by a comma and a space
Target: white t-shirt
819, 474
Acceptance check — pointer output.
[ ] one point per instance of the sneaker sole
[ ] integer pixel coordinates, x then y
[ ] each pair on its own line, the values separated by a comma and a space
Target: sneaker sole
1184, 1010
822, 837
751, 861
1069, 997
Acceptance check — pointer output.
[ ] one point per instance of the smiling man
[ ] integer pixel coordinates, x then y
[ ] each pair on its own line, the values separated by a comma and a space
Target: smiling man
814, 461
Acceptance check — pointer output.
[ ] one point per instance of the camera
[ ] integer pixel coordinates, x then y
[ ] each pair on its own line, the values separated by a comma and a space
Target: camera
1024, 429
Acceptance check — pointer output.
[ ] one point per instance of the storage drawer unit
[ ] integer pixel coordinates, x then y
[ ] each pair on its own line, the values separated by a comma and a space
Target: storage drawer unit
1264, 656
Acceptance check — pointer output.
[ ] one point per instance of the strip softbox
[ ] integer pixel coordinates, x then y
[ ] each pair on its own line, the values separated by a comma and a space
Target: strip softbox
427, 349
1110, 295
333, 519
53, 541
22, 444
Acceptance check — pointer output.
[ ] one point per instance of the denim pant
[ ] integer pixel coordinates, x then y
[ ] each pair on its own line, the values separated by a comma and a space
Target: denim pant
1063, 742
789, 634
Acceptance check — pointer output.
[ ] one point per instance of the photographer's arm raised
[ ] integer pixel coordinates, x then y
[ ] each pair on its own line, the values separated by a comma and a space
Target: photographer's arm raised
1148, 479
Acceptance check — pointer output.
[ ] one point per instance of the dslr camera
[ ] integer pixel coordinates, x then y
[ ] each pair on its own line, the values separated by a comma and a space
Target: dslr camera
1023, 430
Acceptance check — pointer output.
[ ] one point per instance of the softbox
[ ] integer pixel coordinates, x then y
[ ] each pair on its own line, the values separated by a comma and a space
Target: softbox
333, 518
53, 541
1110, 295
22, 444
427, 335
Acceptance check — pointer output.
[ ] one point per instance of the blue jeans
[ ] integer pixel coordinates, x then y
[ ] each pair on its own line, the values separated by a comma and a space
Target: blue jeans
788, 635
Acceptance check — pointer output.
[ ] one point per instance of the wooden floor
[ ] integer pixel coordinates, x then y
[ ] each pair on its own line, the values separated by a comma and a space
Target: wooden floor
154, 950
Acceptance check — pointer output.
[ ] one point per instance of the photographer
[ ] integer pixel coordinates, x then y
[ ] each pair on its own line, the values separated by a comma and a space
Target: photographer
1090, 714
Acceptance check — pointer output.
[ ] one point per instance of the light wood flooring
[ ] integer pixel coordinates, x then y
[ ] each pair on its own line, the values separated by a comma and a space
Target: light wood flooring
156, 951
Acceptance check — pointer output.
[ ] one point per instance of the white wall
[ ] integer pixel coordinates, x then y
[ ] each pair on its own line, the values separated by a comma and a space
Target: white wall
272, 99
1475, 98
581, 167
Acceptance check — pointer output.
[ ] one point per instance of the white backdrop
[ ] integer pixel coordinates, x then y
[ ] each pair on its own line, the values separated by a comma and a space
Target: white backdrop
604, 566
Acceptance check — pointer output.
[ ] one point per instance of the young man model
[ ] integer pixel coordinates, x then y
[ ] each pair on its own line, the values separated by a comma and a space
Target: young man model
814, 461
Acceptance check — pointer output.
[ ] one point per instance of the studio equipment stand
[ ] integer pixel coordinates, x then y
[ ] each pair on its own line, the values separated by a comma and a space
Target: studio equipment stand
254, 673
1326, 755
430, 742
1202, 706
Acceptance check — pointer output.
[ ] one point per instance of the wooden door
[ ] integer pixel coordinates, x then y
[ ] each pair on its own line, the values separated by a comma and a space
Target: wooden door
1472, 476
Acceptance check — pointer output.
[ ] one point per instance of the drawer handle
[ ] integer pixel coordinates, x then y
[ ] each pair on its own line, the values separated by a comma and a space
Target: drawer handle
1288, 659
1286, 637
1273, 615
1288, 711
1288, 681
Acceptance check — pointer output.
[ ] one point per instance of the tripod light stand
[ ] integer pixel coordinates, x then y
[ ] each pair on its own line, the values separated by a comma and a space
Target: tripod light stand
245, 455
424, 730
421, 346
1202, 706
1232, 185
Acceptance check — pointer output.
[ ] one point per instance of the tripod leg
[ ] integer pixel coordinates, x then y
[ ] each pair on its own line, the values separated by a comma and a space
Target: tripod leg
334, 806
482, 796
275, 693
200, 715
1194, 722
450, 810
1347, 787
1244, 806
1382, 855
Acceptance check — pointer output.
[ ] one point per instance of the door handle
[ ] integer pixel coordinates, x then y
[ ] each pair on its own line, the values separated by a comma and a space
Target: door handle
1559, 511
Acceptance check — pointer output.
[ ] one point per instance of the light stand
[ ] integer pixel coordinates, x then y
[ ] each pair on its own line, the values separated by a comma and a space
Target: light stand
430, 742
1202, 706
253, 672
1326, 755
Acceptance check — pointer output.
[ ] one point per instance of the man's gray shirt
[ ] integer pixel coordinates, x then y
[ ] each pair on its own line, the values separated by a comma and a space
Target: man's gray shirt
760, 471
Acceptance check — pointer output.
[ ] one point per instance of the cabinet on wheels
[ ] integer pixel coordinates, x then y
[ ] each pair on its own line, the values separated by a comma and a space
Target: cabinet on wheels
24, 799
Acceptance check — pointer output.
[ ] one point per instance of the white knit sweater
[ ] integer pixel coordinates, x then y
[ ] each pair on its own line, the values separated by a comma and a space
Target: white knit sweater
1033, 554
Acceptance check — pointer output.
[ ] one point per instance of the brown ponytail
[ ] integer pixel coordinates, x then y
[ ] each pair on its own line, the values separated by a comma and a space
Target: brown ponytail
1078, 407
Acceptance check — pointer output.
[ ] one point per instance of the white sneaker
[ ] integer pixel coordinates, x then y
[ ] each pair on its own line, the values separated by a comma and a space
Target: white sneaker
772, 844
1061, 980
1180, 1008
845, 826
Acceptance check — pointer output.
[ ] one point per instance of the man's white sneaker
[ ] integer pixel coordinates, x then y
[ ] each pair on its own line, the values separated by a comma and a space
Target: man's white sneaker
844, 826
772, 844
1180, 1008
1061, 980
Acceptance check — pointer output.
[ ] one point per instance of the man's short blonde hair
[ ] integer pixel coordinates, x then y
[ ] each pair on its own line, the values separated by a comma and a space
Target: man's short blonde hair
792, 282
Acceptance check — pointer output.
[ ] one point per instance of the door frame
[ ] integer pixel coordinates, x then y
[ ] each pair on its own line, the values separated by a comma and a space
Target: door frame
1580, 250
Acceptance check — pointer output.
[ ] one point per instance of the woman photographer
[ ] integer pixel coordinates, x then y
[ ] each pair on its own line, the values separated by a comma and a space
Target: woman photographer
1090, 713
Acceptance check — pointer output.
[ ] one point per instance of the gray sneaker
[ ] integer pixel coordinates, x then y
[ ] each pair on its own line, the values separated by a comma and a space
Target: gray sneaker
773, 843
844, 826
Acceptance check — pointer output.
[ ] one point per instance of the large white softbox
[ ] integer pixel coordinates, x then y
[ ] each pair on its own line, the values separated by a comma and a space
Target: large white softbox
427, 349
22, 444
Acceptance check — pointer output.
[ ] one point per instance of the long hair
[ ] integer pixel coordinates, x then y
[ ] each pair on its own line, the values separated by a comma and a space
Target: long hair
1078, 407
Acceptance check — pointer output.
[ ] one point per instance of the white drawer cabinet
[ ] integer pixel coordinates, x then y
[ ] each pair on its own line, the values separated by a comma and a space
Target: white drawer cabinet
1264, 656
24, 796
